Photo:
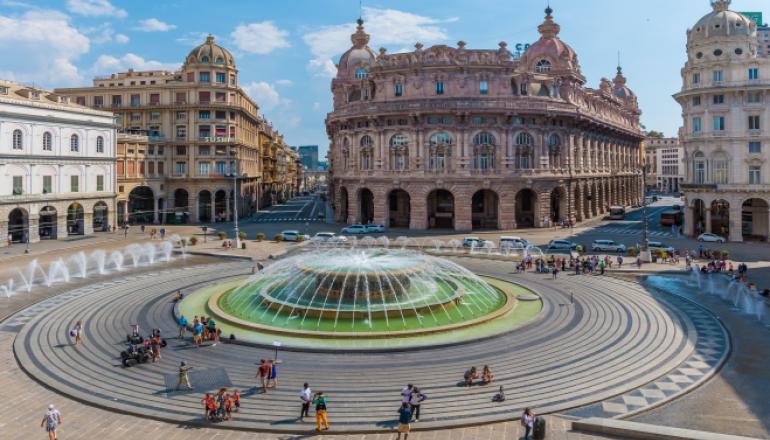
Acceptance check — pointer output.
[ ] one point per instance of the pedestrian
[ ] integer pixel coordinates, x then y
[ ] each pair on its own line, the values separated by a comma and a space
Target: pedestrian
10, 239
528, 422
263, 373
415, 401
184, 377
273, 374
205, 401
142, 228
305, 395
620, 262
77, 332
51, 421
406, 393
198, 334
155, 345
321, 419
237, 400
182, 326
555, 272
404, 419
601, 267
638, 262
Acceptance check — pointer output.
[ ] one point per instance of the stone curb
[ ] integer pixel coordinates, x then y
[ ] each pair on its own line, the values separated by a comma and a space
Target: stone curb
643, 431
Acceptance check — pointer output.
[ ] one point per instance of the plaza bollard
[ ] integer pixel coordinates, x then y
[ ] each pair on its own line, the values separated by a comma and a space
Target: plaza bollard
538, 430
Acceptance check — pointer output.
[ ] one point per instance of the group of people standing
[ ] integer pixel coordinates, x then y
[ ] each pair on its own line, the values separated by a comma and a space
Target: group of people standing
203, 329
411, 400
220, 406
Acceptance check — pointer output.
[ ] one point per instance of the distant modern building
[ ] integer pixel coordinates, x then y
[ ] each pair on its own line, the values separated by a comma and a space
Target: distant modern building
763, 32
308, 156
664, 157
726, 127
57, 166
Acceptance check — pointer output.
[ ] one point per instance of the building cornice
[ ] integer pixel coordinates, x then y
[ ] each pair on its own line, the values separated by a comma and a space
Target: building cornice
51, 119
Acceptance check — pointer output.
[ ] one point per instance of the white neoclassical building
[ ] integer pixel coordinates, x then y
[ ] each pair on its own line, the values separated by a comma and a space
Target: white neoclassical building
726, 133
57, 166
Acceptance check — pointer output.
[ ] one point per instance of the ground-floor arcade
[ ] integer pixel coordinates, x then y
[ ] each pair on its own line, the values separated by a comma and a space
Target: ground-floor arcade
55, 219
737, 216
466, 205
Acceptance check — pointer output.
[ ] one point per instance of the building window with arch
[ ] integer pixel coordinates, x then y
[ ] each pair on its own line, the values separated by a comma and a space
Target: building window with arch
366, 159
366, 141
361, 73
721, 174
524, 150
543, 66
99, 144
554, 150
47, 141
74, 143
484, 138
441, 138
755, 174
483, 151
699, 168
17, 139
399, 151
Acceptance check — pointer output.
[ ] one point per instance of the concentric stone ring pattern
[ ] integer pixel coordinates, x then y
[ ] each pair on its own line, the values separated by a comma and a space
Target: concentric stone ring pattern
615, 338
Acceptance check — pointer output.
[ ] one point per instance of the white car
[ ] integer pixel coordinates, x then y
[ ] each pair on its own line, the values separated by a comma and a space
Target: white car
607, 246
291, 235
562, 244
661, 246
513, 242
473, 242
708, 236
354, 229
324, 236
375, 228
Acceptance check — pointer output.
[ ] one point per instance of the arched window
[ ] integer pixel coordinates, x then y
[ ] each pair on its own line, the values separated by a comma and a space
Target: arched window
204, 59
47, 141
543, 66
441, 138
399, 140
17, 140
554, 156
366, 141
346, 143
362, 73
220, 60
484, 138
524, 138
74, 143
554, 141
721, 174
699, 168
100, 144
755, 172
366, 160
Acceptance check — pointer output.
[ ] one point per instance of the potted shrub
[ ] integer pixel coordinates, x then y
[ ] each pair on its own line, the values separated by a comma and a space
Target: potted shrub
631, 251
300, 238
243, 245
193, 241
222, 235
260, 236
242, 235
579, 248
279, 237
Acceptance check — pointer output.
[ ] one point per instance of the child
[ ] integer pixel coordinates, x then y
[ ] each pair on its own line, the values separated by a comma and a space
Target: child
228, 406
237, 400
211, 405
205, 402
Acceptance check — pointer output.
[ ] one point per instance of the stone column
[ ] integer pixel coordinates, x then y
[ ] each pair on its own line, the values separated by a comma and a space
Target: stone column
380, 206
463, 215
154, 210
707, 220
418, 215
736, 226
578, 203
4, 232
88, 223
353, 210
507, 210
213, 208
228, 214
61, 223
196, 215
689, 221
33, 229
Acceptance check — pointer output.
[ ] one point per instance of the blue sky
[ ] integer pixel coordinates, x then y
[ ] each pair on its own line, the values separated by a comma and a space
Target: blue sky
284, 50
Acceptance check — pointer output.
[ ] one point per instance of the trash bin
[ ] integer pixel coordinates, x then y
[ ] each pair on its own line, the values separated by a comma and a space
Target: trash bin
538, 430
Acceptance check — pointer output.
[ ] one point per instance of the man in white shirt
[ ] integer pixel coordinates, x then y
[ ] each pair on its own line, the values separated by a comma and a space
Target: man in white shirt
306, 395
406, 393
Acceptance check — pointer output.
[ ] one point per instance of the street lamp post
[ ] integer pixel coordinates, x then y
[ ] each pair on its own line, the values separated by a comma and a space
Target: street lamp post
644, 251
235, 211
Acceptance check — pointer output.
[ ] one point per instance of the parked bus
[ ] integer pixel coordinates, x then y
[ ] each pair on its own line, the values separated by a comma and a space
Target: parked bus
617, 212
671, 217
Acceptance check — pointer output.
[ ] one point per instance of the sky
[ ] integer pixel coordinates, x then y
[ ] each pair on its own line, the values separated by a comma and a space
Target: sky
285, 51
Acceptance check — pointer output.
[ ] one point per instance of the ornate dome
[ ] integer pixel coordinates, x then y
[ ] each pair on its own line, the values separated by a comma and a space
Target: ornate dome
549, 47
721, 22
619, 88
210, 53
360, 55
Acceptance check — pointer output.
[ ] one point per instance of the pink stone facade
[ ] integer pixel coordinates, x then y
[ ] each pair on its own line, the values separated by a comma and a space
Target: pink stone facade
458, 138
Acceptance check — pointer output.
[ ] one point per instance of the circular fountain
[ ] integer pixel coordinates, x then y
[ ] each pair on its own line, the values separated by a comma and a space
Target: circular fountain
364, 294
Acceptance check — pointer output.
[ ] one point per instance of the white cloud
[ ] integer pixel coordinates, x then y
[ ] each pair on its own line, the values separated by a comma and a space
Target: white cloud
107, 64
95, 8
264, 93
193, 38
316, 106
385, 26
32, 52
121, 38
104, 33
284, 82
154, 25
259, 38
276, 108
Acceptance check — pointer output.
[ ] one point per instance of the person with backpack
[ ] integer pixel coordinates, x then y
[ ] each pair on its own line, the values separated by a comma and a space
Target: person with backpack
51, 421
404, 419
305, 395
320, 401
528, 422
415, 401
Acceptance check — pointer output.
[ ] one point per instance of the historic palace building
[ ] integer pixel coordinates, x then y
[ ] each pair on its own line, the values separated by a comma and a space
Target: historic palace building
203, 139
726, 131
57, 166
459, 138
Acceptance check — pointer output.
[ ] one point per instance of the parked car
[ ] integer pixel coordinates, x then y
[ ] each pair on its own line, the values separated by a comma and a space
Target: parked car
607, 246
375, 228
354, 229
562, 244
473, 242
324, 236
339, 239
513, 242
661, 246
291, 235
708, 236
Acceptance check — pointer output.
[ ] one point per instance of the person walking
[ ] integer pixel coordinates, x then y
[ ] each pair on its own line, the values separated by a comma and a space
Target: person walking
198, 334
555, 272
273, 374
51, 421
415, 401
305, 395
77, 332
404, 420
528, 422
155, 346
182, 326
321, 419
263, 373
184, 377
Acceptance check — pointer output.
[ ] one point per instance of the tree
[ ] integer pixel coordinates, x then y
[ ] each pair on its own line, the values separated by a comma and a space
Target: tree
655, 134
